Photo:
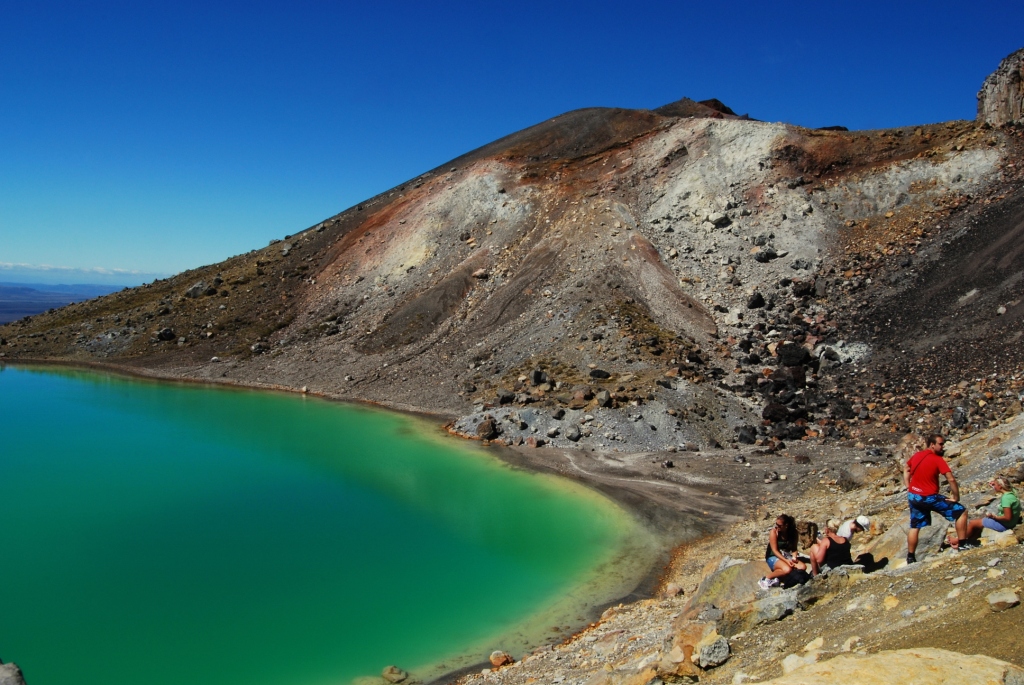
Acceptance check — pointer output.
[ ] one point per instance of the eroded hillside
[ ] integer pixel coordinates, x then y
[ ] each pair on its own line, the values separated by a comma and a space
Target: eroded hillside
626, 280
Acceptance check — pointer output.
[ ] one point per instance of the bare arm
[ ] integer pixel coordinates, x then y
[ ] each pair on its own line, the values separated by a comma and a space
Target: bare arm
954, 489
1003, 518
773, 540
906, 473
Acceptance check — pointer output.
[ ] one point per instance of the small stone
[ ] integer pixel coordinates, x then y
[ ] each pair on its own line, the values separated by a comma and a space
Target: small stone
673, 590
995, 572
499, 658
1001, 600
573, 434
552, 432
994, 562
393, 674
816, 643
890, 602
959, 580
719, 219
953, 594
599, 373
850, 642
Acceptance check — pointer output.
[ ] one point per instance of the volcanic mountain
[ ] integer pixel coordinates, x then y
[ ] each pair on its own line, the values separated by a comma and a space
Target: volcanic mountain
616, 279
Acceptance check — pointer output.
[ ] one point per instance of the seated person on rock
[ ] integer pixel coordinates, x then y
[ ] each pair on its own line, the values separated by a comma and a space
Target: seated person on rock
833, 549
780, 554
1008, 515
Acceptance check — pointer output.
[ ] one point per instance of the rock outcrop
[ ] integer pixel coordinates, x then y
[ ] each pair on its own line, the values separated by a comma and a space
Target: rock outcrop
1001, 98
932, 666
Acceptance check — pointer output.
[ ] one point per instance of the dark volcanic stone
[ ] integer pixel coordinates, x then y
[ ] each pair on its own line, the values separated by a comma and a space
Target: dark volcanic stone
756, 301
791, 354
505, 396
775, 412
599, 373
746, 434
487, 429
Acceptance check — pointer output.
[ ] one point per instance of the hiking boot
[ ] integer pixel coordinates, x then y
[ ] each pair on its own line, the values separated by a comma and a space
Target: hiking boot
911, 559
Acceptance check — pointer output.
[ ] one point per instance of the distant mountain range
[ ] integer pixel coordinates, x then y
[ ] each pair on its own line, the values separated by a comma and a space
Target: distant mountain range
18, 300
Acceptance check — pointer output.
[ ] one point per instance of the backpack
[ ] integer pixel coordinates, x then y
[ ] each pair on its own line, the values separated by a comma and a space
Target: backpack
794, 577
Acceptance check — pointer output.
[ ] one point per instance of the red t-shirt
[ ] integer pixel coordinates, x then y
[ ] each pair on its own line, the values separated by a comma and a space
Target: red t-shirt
925, 467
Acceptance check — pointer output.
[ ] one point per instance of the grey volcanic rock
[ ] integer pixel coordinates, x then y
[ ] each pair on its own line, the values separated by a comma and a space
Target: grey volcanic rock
714, 654
1001, 98
10, 674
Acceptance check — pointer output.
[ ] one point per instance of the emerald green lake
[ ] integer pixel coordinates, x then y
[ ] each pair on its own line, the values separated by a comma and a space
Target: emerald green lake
165, 533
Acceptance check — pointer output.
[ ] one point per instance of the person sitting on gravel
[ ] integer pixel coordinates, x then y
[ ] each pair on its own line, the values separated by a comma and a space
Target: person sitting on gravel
921, 476
1008, 516
833, 548
780, 555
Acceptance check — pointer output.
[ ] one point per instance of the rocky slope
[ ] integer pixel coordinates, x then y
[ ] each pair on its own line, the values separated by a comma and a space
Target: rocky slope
711, 623
622, 279
636, 292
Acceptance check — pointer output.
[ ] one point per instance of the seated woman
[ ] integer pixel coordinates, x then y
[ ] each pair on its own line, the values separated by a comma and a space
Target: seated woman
780, 554
1008, 516
833, 549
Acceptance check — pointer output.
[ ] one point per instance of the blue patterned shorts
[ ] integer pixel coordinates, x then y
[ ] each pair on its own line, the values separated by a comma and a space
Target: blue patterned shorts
922, 506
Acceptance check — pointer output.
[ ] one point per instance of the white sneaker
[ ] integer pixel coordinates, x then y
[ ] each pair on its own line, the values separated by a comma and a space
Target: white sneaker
765, 583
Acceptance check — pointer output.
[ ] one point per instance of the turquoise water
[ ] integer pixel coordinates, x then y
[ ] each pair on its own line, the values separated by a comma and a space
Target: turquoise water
161, 533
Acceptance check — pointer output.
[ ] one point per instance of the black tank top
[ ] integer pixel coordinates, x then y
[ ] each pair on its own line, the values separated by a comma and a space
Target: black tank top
837, 554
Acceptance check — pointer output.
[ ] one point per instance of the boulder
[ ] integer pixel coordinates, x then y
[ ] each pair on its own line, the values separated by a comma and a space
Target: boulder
196, 290
393, 674
746, 435
924, 665
10, 674
573, 433
166, 334
1001, 98
892, 544
741, 618
499, 658
791, 354
678, 658
599, 373
852, 477
713, 652
775, 412
727, 583
604, 398
487, 429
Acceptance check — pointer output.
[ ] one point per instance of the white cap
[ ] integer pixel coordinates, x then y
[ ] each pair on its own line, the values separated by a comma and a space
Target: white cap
863, 521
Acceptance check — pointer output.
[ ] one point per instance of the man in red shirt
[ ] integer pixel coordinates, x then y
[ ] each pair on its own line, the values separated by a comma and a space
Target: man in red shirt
921, 476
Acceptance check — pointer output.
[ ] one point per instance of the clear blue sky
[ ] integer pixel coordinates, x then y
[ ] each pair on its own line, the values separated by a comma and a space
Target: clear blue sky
156, 137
